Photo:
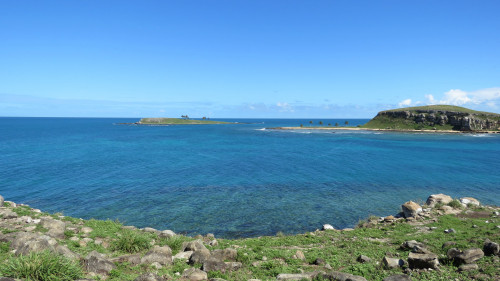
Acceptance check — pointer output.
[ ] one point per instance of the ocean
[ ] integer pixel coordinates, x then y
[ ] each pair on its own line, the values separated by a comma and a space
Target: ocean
236, 180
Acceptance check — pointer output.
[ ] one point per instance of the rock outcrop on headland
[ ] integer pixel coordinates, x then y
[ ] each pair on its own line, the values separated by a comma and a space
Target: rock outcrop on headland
108, 250
438, 117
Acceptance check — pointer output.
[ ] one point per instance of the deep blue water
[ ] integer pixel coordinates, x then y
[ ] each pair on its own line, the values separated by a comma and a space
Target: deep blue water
235, 180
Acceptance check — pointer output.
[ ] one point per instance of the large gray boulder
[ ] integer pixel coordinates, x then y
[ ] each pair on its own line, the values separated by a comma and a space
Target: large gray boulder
390, 263
213, 264
465, 257
438, 198
411, 209
161, 255
1, 201
200, 256
96, 263
166, 234
194, 274
225, 254
193, 246
7, 214
469, 200
422, 261
56, 227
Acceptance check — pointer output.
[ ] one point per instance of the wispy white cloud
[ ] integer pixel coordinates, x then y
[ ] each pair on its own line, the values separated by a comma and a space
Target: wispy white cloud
487, 97
284, 107
406, 102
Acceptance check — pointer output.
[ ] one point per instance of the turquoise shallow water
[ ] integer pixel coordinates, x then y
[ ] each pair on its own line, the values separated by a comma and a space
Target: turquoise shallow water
235, 180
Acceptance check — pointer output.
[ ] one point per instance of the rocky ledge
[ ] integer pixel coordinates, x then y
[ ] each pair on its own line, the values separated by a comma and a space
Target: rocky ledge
459, 121
441, 239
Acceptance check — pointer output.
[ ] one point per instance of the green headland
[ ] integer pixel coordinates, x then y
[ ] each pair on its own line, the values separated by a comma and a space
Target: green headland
435, 117
177, 121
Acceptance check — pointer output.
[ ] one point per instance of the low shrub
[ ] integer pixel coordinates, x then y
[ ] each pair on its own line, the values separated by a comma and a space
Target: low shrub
42, 266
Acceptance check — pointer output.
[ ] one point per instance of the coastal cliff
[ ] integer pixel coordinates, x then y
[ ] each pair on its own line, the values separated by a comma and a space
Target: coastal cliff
435, 117
441, 239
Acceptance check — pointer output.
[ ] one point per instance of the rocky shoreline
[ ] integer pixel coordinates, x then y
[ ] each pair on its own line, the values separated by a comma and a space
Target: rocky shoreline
384, 130
405, 246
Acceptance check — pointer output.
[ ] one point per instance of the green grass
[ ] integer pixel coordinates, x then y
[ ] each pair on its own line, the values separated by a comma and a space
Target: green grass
443, 108
178, 121
132, 242
44, 266
175, 243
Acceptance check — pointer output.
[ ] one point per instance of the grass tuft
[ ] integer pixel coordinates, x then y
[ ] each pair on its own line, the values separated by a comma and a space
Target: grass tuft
132, 242
43, 266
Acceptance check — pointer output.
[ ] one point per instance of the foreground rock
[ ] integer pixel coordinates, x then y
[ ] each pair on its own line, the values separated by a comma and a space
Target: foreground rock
423, 261
411, 209
194, 274
96, 263
465, 257
161, 255
438, 198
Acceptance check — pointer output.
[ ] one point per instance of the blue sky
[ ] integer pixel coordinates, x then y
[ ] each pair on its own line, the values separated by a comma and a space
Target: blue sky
276, 59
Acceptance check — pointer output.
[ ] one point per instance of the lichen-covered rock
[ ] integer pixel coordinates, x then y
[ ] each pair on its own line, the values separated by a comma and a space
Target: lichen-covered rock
468, 267
469, 200
409, 245
167, 234
363, 259
225, 254
213, 264
438, 198
422, 261
193, 246
161, 255
465, 257
411, 209
56, 227
390, 263
96, 263
200, 256
183, 255
8, 214
194, 274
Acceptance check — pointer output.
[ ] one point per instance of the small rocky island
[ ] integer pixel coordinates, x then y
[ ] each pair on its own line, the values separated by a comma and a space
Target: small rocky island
177, 121
441, 239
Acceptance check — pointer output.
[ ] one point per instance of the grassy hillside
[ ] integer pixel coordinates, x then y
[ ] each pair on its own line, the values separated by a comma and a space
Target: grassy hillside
443, 108
177, 121
390, 119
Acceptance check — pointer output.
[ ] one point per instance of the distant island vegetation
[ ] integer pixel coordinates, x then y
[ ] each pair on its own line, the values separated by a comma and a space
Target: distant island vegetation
184, 120
442, 118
